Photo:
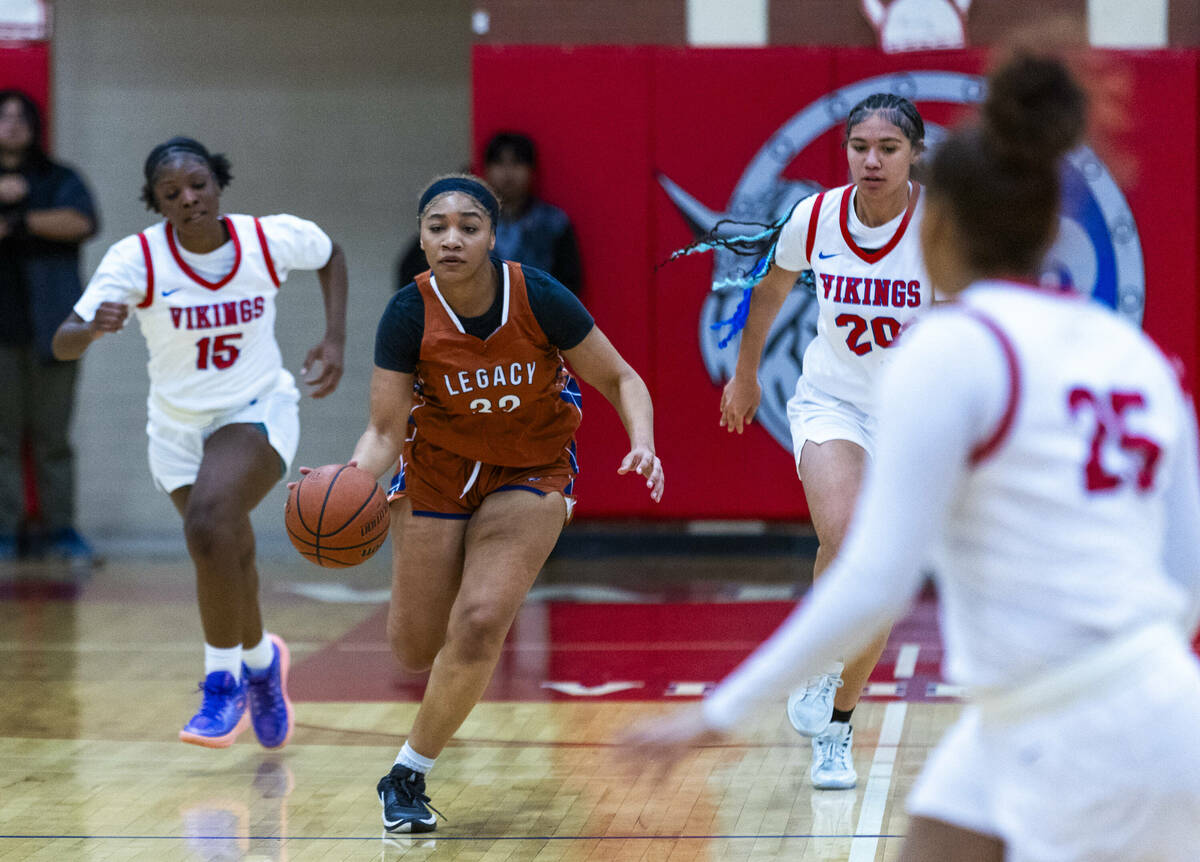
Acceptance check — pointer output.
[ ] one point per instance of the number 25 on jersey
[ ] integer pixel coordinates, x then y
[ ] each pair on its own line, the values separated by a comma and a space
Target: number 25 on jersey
1107, 411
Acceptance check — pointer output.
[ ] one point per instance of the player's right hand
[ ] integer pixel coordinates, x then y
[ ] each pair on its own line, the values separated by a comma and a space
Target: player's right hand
739, 403
110, 317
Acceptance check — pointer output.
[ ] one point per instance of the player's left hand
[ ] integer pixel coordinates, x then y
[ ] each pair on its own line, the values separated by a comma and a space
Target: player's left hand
664, 741
329, 355
642, 460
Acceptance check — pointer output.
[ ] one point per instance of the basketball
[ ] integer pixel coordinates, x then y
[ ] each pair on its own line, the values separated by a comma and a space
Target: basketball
337, 516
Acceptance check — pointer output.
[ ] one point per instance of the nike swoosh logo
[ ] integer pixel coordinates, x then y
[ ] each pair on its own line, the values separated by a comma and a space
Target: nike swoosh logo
169, 292
820, 254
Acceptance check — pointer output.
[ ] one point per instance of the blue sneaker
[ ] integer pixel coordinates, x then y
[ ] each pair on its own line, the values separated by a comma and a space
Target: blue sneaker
266, 692
66, 544
9, 549
405, 806
222, 714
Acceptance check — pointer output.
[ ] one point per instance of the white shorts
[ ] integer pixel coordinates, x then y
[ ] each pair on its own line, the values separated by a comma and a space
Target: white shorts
1109, 775
815, 415
176, 448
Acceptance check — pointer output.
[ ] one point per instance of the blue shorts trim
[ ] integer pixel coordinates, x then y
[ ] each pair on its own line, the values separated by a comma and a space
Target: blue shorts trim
452, 516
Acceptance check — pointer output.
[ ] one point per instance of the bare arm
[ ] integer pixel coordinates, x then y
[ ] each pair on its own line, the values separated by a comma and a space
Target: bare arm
391, 401
599, 364
75, 335
330, 353
740, 397
62, 224
59, 223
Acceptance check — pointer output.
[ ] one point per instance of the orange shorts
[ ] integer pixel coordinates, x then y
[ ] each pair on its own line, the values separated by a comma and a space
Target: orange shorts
441, 484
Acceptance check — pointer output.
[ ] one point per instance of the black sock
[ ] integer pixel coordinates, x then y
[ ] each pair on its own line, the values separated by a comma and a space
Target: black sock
842, 715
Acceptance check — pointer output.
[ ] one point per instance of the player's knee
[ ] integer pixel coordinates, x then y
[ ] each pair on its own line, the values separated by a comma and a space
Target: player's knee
412, 653
479, 632
207, 530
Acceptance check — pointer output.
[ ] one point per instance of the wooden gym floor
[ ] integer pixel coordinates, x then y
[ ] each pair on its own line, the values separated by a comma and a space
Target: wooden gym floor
99, 669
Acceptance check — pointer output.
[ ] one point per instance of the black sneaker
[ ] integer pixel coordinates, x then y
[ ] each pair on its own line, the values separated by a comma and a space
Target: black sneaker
405, 805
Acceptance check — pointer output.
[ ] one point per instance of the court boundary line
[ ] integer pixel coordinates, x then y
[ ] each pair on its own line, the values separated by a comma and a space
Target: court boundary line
864, 847
438, 836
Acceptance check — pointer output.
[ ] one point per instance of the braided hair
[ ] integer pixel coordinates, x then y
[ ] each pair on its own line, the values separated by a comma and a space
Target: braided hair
897, 110
181, 147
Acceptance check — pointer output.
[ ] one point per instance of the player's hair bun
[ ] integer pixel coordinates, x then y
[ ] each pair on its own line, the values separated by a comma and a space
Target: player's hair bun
1034, 111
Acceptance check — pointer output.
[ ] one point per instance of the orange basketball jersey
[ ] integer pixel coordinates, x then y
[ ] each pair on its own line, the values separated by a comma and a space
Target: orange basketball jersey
506, 399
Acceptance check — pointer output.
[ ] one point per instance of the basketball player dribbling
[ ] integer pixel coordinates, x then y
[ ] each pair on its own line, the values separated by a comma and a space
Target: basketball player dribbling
1056, 455
223, 417
471, 393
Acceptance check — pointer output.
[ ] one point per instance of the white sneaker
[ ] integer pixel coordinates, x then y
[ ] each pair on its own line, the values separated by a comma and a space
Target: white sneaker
810, 707
832, 760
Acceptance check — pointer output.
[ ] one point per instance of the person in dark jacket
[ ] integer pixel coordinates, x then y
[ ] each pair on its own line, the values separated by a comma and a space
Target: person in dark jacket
46, 212
530, 231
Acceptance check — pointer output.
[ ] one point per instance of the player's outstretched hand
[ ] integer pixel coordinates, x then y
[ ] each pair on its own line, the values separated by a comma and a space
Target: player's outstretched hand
643, 461
329, 357
664, 741
110, 317
739, 403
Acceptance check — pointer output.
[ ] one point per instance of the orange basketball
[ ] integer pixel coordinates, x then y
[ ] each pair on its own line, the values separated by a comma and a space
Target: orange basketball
337, 516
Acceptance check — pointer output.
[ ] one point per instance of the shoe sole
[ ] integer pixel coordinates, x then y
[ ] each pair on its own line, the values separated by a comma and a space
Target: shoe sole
217, 741
835, 785
285, 662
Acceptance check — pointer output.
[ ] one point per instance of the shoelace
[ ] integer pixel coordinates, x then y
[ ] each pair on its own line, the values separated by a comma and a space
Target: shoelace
409, 795
833, 748
264, 692
816, 685
211, 705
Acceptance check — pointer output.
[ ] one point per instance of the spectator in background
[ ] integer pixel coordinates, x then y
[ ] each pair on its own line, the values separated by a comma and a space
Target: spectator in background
530, 231
46, 212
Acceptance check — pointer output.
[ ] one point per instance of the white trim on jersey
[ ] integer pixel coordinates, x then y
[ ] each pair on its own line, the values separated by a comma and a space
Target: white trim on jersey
504, 311
450, 311
445, 305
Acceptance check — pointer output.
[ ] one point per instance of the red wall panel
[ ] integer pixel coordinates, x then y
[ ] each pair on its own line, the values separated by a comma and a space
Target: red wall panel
26, 66
610, 122
589, 111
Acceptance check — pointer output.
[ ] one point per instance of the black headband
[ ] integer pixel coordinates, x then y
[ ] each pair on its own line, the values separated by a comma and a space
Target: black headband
173, 147
475, 189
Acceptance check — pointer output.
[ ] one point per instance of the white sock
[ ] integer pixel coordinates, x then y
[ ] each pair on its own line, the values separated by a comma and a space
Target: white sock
223, 658
835, 668
260, 656
415, 762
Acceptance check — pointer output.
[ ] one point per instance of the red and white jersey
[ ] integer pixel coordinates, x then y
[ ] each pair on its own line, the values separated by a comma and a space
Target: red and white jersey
208, 319
1042, 452
870, 282
1056, 539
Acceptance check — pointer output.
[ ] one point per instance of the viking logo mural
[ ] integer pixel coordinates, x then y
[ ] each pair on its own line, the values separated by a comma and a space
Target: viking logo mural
1097, 251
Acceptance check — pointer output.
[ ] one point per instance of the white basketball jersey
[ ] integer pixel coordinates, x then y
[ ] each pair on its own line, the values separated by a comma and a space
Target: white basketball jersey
212, 343
1056, 541
863, 297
